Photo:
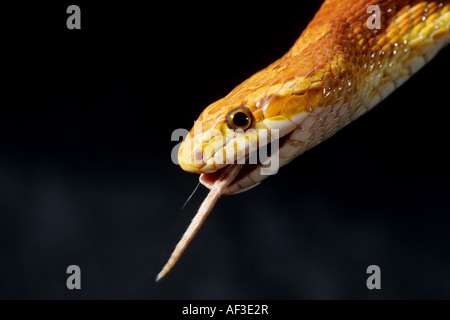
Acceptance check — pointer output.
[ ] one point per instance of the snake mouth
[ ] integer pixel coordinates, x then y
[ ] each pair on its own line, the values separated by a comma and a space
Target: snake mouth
209, 179
245, 179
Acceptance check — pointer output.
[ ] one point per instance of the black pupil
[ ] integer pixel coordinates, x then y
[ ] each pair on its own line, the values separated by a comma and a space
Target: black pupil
240, 119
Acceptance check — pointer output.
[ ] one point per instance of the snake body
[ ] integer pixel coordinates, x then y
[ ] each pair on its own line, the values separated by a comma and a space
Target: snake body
352, 55
338, 69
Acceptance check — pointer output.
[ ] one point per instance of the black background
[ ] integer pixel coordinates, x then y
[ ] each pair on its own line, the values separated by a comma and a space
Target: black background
86, 176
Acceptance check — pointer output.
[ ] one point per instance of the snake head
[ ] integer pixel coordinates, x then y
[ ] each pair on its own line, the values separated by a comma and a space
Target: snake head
235, 129
221, 136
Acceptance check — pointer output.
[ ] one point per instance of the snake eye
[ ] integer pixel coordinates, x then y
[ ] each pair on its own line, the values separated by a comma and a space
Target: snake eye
240, 118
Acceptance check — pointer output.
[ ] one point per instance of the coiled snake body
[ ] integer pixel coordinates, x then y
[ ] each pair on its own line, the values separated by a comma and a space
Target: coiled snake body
352, 55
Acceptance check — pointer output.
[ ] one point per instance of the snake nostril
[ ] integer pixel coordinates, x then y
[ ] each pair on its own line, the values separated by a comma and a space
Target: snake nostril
198, 155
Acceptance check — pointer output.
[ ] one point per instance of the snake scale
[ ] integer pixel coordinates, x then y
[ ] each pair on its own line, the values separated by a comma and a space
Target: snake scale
352, 55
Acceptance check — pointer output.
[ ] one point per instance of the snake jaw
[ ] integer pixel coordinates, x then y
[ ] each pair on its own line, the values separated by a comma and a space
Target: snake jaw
209, 179
227, 147
250, 174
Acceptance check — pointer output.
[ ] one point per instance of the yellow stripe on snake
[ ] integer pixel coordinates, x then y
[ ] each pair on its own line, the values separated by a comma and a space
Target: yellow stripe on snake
351, 56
